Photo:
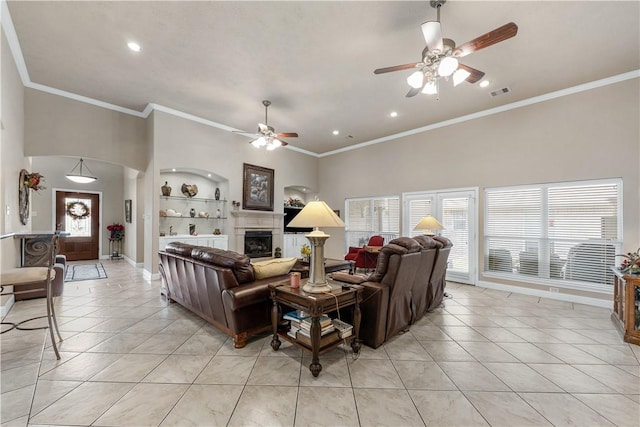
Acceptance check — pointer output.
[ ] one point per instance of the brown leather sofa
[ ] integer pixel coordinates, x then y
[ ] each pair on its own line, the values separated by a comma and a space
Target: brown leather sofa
409, 281
219, 286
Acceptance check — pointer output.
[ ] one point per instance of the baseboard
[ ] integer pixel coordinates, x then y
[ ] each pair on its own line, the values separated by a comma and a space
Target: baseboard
4, 309
149, 277
546, 294
133, 263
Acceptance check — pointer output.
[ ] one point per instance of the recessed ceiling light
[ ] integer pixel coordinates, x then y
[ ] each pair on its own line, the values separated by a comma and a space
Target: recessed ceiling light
336, 132
209, 175
393, 114
134, 46
173, 170
484, 83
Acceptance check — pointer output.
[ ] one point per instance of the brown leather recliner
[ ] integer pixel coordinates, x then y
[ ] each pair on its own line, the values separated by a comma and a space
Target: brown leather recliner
437, 283
220, 287
421, 292
409, 281
387, 299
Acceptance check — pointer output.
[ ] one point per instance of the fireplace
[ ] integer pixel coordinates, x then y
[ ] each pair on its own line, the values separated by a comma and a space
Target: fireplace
258, 244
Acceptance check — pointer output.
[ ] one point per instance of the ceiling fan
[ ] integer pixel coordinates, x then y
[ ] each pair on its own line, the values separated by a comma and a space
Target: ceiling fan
440, 56
266, 135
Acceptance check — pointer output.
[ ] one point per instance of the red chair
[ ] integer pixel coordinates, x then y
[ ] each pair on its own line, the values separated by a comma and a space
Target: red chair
367, 256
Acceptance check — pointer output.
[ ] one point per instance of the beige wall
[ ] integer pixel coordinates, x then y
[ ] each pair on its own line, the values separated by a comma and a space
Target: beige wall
134, 242
12, 160
59, 126
589, 135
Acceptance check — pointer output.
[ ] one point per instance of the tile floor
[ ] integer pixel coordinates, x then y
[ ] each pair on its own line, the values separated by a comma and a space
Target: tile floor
486, 358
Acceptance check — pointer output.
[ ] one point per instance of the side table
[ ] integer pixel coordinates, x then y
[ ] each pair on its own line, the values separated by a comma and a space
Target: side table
315, 305
115, 248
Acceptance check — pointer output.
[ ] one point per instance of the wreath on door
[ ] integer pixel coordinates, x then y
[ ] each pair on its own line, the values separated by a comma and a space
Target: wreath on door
78, 210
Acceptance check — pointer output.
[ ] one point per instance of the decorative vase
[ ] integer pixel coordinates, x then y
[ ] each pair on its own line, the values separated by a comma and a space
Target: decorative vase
192, 213
218, 213
216, 231
166, 190
189, 190
192, 229
217, 193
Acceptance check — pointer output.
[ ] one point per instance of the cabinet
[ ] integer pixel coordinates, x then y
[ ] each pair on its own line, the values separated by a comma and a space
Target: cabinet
626, 305
175, 215
219, 241
292, 244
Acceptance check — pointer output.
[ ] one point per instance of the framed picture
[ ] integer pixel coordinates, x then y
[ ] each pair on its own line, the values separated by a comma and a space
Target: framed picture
257, 188
127, 210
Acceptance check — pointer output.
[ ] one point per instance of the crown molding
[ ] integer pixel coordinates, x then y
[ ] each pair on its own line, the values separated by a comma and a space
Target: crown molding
14, 45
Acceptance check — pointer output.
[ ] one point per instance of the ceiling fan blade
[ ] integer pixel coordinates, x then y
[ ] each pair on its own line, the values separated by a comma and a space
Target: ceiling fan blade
286, 135
432, 32
283, 143
413, 92
489, 39
397, 68
474, 75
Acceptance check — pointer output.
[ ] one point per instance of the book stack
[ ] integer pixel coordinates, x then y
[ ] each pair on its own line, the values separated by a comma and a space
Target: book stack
301, 328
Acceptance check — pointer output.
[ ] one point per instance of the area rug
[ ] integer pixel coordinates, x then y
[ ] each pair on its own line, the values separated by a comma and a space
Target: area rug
85, 272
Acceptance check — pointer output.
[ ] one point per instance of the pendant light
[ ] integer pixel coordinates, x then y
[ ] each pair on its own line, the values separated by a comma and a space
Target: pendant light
79, 176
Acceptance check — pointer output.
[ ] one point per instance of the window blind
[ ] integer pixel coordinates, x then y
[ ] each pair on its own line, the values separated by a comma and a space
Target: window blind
565, 232
366, 217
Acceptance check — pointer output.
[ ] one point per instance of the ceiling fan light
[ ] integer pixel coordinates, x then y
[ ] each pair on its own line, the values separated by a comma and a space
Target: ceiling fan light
459, 76
447, 66
276, 142
415, 80
430, 88
271, 147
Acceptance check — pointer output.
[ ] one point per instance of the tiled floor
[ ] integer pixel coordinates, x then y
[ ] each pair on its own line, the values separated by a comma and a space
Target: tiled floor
486, 358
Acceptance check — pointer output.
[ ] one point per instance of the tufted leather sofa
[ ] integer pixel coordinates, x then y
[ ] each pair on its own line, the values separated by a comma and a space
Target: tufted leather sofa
409, 280
219, 286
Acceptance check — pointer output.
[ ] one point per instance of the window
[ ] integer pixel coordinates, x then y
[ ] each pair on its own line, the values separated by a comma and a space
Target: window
366, 217
567, 233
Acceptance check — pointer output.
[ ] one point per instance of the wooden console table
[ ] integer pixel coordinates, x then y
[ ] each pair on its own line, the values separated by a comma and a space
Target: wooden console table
626, 305
330, 266
316, 305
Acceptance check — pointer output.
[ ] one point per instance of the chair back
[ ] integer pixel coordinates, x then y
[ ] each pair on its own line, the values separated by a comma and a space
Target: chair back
376, 241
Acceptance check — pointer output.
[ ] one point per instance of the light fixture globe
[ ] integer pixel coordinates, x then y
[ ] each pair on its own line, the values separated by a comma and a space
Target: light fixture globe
79, 176
415, 80
447, 66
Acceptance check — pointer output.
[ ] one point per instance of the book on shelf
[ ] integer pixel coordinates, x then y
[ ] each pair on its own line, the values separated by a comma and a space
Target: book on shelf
324, 321
344, 329
323, 331
296, 315
324, 340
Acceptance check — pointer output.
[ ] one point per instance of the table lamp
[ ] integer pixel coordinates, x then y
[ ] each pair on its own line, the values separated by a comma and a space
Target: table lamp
316, 214
429, 224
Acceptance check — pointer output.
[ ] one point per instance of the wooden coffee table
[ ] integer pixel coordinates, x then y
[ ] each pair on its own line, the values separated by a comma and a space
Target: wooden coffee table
315, 305
330, 266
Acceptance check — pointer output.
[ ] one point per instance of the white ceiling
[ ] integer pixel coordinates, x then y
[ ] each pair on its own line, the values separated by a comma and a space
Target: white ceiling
315, 60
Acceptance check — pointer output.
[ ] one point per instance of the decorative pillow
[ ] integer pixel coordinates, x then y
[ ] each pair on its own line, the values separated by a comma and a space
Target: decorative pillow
273, 267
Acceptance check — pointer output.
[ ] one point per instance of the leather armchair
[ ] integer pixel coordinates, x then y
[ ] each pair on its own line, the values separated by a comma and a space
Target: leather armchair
361, 257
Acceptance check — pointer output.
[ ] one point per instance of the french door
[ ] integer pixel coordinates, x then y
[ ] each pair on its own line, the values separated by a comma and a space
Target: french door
456, 211
79, 215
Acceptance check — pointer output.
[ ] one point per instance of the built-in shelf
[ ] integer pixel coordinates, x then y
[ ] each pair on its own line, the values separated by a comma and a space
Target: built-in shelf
193, 199
192, 217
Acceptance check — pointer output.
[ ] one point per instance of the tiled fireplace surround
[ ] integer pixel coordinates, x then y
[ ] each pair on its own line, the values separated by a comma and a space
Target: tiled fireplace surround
257, 220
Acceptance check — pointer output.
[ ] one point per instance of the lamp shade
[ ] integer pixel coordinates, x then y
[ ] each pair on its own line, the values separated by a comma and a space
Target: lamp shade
316, 214
428, 223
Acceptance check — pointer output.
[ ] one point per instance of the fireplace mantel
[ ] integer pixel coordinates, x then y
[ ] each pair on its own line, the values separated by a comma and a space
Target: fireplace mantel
257, 220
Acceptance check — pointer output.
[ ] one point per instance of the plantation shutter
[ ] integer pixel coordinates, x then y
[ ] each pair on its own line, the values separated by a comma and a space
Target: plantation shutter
567, 232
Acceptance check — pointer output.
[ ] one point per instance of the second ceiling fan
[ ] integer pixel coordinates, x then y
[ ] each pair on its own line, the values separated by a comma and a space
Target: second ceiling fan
266, 135
440, 56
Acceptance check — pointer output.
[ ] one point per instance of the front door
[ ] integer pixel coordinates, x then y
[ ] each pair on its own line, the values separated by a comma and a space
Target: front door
78, 214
